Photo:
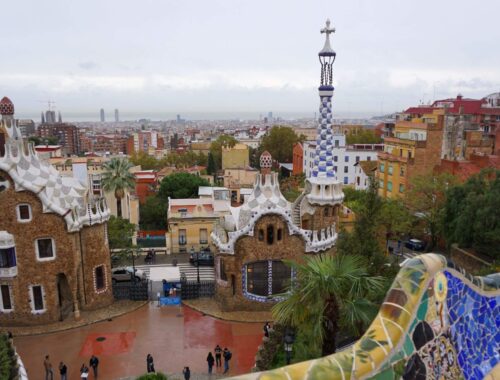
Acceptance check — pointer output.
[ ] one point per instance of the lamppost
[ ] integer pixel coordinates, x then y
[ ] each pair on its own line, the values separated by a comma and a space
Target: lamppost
197, 263
289, 339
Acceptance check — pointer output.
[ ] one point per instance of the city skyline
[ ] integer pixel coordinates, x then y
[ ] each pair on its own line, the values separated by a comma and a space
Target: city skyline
238, 58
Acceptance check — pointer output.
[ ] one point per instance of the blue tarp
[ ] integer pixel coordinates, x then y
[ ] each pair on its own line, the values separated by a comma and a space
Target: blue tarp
170, 301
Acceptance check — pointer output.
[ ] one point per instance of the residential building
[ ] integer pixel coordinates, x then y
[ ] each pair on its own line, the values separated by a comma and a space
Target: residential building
102, 115
146, 184
363, 170
67, 135
464, 169
414, 150
117, 115
144, 140
235, 179
309, 133
27, 127
235, 157
201, 147
54, 256
344, 157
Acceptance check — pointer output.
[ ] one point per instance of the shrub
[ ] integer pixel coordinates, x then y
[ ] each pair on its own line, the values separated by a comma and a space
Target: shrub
153, 376
8, 362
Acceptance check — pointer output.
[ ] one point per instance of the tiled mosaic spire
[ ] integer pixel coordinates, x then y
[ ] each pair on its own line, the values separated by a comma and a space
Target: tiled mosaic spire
323, 161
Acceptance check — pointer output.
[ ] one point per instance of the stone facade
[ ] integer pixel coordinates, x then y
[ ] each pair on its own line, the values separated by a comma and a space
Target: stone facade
230, 292
322, 217
70, 274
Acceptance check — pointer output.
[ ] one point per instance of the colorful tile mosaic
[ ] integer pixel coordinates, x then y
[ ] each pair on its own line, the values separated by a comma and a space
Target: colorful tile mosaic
436, 322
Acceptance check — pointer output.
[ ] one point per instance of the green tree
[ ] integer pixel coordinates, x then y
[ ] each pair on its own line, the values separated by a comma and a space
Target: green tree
216, 148
152, 376
153, 214
471, 214
426, 200
395, 218
364, 136
120, 232
211, 168
330, 293
117, 178
279, 142
146, 161
181, 185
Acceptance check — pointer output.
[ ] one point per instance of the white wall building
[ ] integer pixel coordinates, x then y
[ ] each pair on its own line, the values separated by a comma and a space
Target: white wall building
344, 157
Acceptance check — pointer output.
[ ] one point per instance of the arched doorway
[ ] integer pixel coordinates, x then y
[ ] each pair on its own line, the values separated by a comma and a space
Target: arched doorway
65, 297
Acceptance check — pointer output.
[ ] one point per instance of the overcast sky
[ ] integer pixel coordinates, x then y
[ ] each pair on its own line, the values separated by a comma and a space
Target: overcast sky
244, 56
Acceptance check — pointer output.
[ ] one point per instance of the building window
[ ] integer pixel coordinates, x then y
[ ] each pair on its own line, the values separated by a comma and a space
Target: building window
346, 169
182, 237
346, 180
401, 188
37, 304
346, 159
368, 158
7, 257
402, 171
45, 249
270, 234
357, 158
279, 234
203, 236
389, 186
335, 158
381, 168
409, 154
6, 301
335, 169
23, 213
261, 235
325, 211
267, 278
222, 271
381, 184
389, 169
100, 279
336, 143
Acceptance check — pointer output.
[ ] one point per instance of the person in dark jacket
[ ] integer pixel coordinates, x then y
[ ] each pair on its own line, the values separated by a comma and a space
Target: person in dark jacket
187, 373
63, 371
267, 327
150, 365
218, 356
94, 363
210, 361
227, 357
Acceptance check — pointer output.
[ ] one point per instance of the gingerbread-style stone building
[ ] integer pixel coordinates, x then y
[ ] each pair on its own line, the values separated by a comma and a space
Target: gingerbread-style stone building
253, 241
54, 256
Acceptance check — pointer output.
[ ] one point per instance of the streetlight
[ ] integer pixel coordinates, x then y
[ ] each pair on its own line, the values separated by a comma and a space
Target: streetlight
289, 339
197, 263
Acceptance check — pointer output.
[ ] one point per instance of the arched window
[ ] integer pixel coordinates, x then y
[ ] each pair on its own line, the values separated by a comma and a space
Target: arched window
325, 211
261, 235
100, 281
279, 234
270, 234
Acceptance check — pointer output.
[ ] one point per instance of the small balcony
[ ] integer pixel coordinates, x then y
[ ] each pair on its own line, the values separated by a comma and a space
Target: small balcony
8, 272
182, 241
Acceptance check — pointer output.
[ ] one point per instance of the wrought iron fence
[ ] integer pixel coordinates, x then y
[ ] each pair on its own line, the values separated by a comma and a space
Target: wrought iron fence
135, 291
193, 289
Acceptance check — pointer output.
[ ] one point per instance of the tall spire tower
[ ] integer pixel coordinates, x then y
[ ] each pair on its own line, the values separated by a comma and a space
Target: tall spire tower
325, 189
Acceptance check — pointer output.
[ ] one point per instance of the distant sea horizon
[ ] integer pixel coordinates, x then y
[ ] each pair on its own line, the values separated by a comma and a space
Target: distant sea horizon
189, 116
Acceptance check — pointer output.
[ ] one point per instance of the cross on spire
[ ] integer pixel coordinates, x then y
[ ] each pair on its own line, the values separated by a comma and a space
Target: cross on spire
327, 29
327, 50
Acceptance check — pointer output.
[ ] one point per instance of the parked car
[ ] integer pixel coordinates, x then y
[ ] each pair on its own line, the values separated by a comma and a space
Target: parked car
415, 245
126, 274
203, 258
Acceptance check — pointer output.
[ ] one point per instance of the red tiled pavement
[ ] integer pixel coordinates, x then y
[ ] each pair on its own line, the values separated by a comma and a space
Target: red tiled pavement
175, 336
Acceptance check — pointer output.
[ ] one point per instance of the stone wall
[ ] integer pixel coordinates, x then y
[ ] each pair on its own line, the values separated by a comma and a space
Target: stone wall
66, 264
323, 216
229, 294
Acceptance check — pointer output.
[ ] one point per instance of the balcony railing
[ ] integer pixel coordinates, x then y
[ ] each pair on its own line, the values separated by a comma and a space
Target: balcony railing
182, 241
8, 272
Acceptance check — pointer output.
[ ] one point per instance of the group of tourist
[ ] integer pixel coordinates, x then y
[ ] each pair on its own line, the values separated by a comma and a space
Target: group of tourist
219, 355
63, 369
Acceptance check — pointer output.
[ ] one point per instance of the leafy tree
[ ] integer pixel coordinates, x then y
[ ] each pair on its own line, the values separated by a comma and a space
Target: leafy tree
120, 232
279, 142
117, 178
152, 376
471, 214
364, 136
395, 217
216, 148
254, 155
49, 140
426, 200
330, 293
211, 167
153, 214
146, 161
181, 185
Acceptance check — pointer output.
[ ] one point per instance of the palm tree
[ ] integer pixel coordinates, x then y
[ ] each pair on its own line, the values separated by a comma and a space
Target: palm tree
117, 178
329, 293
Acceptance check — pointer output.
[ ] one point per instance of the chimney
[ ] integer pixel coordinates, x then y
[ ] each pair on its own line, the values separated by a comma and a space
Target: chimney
266, 162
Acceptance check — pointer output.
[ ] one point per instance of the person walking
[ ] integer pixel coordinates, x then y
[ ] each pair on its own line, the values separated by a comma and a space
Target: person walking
94, 363
63, 371
267, 327
84, 372
187, 373
218, 356
227, 357
49, 373
210, 361
150, 364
